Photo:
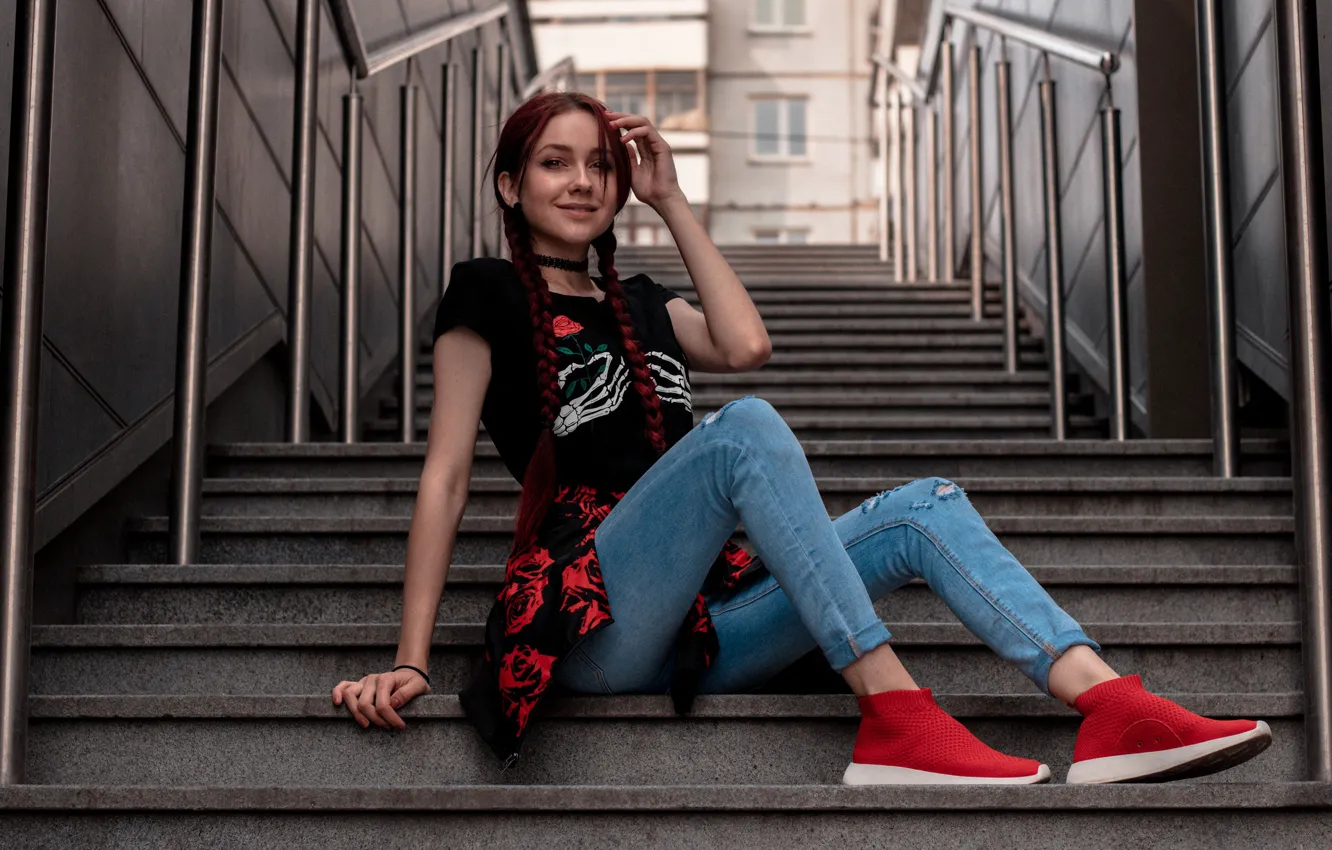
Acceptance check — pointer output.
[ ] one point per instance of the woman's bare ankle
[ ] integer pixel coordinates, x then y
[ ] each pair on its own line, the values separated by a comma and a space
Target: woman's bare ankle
1075, 671
877, 671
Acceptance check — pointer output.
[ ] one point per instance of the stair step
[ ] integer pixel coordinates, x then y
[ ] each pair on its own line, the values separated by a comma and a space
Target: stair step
288, 740
331, 594
883, 458
852, 426
1170, 496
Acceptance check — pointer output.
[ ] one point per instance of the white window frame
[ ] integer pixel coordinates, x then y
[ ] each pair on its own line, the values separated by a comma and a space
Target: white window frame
783, 153
779, 26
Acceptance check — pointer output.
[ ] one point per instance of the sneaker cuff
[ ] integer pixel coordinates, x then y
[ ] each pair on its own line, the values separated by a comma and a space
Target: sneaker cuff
1098, 695
888, 703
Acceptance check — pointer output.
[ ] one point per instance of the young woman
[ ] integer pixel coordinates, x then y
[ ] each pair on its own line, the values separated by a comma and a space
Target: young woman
622, 577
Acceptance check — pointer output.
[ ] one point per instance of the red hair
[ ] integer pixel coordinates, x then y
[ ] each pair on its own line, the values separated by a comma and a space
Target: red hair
517, 139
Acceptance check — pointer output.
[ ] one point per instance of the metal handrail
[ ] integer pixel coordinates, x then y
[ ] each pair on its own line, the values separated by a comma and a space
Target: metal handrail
406, 48
563, 68
1087, 55
913, 85
349, 33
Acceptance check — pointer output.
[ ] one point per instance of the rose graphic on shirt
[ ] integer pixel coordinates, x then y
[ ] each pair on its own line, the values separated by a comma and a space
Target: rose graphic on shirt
567, 329
524, 673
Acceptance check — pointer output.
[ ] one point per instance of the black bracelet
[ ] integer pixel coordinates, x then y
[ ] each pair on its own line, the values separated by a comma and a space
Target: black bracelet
410, 667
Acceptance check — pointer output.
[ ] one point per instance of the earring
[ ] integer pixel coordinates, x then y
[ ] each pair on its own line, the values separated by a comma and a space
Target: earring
518, 206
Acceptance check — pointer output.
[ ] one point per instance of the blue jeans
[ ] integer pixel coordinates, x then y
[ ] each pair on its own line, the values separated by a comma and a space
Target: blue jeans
744, 464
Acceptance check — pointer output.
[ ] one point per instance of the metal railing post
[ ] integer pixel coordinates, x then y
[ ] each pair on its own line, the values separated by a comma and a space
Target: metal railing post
407, 265
931, 192
300, 265
949, 205
977, 195
1007, 215
195, 258
1054, 256
1116, 274
501, 113
909, 187
1220, 273
895, 181
349, 377
1306, 269
24, 281
885, 179
448, 155
478, 143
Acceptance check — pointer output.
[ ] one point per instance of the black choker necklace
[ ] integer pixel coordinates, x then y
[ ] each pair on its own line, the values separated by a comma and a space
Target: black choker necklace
561, 263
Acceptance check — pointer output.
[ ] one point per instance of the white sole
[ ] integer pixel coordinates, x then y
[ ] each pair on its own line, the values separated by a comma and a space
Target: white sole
1178, 763
878, 774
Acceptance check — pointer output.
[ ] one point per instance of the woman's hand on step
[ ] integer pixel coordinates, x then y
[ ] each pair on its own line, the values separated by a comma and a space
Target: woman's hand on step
377, 697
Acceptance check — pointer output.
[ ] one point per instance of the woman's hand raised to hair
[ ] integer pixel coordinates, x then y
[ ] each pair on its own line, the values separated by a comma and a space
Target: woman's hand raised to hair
376, 697
654, 180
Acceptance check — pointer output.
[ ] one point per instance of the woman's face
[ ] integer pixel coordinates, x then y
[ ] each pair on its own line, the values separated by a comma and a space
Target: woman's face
563, 195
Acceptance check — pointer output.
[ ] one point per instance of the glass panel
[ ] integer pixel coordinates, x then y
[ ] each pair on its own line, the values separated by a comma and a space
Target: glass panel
626, 92
795, 13
768, 237
766, 142
677, 93
586, 83
797, 237
795, 128
765, 12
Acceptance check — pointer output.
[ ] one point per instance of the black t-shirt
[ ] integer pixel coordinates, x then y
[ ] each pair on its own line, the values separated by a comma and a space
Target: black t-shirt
600, 432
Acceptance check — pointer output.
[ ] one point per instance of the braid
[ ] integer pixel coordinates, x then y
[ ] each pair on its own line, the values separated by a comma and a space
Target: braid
647, 391
539, 478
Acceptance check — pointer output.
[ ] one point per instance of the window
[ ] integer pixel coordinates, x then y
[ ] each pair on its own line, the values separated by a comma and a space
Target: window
781, 235
677, 94
627, 92
770, 15
780, 128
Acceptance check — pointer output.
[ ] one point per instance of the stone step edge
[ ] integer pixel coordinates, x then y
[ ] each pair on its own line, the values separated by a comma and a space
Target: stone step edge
1072, 525
492, 574
469, 635
1041, 485
839, 799
822, 448
620, 707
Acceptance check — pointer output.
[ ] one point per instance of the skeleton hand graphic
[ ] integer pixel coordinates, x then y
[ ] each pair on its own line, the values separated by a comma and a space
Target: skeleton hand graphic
603, 396
670, 379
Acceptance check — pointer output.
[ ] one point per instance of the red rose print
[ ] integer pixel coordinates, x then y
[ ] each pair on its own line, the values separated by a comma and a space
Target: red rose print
524, 588
524, 674
565, 326
584, 594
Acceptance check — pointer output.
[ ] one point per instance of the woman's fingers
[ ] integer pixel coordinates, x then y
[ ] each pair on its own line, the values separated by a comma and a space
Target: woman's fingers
349, 694
383, 702
366, 702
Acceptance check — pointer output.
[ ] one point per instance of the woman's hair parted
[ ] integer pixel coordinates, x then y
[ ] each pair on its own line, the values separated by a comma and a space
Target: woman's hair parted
517, 139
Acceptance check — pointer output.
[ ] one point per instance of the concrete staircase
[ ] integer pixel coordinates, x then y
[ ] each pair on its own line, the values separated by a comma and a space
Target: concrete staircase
189, 706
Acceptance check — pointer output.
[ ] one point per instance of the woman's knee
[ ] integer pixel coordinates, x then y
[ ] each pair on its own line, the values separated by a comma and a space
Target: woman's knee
920, 497
748, 419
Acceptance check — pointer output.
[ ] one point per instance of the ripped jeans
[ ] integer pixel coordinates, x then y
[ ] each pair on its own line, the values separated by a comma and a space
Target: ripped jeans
744, 464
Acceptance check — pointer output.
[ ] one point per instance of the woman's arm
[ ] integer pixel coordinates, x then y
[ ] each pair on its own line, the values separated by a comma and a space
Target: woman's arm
728, 336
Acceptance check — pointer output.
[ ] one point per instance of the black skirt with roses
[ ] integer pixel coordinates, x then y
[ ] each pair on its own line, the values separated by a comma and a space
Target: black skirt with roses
554, 598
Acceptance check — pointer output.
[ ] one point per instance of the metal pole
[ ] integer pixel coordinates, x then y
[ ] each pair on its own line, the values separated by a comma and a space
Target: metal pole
899, 262
478, 145
1054, 255
977, 197
501, 113
301, 259
885, 189
908, 114
1115, 273
195, 259
447, 174
1007, 216
932, 192
1306, 269
407, 267
949, 207
24, 280
349, 378
1220, 272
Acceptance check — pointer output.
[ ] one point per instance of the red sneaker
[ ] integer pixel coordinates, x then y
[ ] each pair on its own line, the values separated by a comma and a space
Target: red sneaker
1130, 735
906, 739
